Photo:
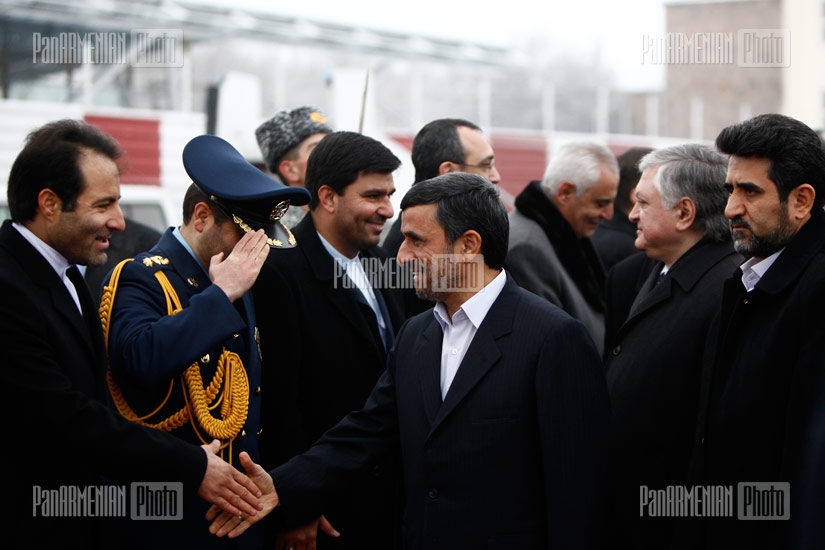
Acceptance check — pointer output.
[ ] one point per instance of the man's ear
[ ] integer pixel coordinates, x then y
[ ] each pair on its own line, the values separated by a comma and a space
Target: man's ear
801, 201
686, 214
49, 204
201, 215
565, 192
468, 244
448, 166
327, 198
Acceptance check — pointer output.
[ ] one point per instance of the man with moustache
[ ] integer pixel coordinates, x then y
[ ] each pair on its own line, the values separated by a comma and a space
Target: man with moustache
327, 323
763, 414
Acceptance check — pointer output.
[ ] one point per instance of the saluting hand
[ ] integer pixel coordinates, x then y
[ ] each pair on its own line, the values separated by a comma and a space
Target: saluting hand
237, 273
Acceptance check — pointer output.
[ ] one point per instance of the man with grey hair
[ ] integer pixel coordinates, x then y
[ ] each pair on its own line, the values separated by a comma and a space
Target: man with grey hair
654, 363
550, 252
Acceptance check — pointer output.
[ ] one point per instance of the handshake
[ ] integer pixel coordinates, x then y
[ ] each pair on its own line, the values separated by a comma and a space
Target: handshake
227, 523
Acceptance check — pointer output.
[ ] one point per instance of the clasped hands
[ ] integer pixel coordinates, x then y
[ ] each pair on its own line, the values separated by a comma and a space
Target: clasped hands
226, 524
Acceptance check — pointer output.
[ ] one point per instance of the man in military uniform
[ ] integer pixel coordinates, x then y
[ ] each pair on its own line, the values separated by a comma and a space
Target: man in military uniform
183, 342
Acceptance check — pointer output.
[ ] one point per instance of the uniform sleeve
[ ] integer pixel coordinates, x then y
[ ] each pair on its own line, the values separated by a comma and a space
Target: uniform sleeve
151, 345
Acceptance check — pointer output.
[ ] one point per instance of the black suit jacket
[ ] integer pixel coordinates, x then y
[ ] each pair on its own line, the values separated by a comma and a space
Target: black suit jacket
515, 455
763, 413
322, 354
623, 283
63, 433
653, 375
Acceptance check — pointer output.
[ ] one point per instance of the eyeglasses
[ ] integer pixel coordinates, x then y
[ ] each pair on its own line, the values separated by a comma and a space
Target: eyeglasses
487, 166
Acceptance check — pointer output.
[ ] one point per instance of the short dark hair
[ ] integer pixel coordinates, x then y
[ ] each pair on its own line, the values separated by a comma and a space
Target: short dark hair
629, 175
796, 152
193, 196
466, 201
438, 142
341, 157
49, 160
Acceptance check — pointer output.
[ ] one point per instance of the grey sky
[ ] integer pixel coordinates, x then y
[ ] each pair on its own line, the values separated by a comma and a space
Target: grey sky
580, 27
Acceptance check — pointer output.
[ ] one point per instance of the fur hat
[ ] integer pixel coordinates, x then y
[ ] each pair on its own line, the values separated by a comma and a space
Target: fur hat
286, 130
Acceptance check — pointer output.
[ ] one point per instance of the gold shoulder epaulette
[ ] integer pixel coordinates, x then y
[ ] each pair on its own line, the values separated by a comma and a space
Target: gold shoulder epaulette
155, 260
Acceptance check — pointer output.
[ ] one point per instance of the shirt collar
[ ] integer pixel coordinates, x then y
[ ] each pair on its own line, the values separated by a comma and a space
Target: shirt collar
58, 262
179, 236
477, 307
335, 254
755, 268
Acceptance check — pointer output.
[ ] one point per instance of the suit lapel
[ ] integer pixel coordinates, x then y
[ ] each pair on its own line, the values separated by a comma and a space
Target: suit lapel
484, 351
646, 290
343, 296
44, 276
428, 354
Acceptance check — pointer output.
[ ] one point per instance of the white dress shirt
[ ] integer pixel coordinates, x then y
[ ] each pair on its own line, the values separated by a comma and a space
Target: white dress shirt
460, 330
755, 268
355, 271
55, 259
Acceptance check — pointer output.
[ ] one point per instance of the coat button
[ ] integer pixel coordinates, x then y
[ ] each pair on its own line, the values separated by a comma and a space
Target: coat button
243, 433
617, 350
432, 494
260, 431
257, 390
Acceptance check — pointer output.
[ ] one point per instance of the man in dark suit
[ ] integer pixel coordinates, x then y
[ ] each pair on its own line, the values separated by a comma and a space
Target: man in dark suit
63, 195
328, 316
169, 365
654, 363
496, 398
764, 403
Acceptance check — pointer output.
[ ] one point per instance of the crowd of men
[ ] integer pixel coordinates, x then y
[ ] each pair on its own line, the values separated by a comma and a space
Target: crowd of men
638, 328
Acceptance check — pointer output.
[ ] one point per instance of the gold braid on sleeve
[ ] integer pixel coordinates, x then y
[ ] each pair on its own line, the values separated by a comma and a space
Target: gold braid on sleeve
229, 388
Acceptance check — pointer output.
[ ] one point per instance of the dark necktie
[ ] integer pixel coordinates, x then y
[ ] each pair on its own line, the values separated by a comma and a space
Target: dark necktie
658, 280
388, 336
80, 287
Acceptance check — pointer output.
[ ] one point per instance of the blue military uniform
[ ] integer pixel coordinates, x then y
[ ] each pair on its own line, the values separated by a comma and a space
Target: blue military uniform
182, 367
148, 347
